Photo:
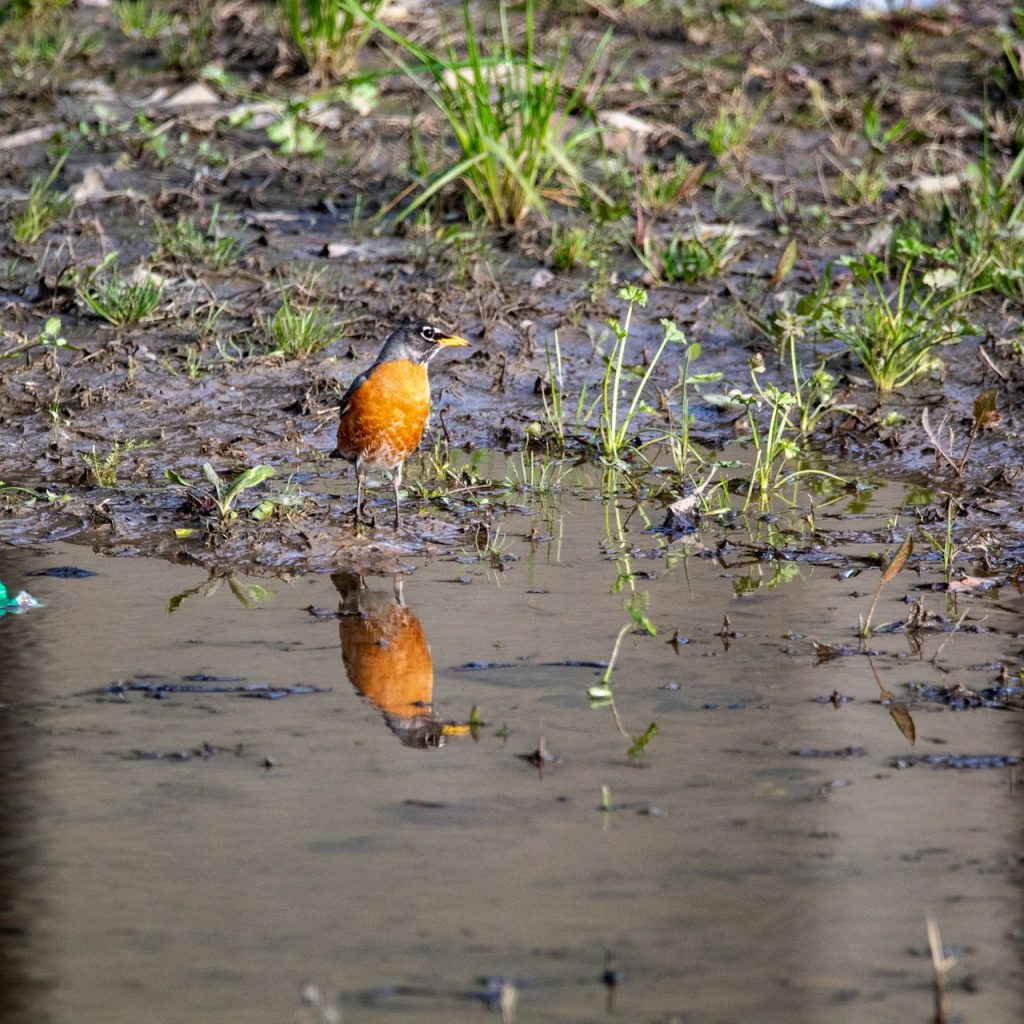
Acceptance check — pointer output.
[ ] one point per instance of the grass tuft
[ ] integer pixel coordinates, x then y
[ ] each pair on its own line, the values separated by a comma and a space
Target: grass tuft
517, 121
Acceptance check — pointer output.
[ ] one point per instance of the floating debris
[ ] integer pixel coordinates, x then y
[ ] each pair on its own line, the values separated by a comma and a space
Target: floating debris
835, 698
64, 572
161, 689
677, 641
961, 698
841, 752
541, 757
202, 752
960, 761
826, 652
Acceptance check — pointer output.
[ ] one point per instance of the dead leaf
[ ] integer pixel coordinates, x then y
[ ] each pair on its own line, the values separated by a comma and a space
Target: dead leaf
784, 266
897, 562
198, 94
974, 584
905, 724
984, 409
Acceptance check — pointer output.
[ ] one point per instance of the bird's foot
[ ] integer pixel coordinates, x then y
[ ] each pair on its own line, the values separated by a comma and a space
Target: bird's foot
360, 517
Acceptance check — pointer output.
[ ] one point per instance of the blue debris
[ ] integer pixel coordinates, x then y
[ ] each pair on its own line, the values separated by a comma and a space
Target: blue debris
64, 572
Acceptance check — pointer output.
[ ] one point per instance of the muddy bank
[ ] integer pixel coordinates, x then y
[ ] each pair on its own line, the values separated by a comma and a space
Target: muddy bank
171, 168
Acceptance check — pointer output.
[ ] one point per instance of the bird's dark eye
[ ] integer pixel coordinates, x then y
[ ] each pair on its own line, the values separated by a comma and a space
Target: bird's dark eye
428, 333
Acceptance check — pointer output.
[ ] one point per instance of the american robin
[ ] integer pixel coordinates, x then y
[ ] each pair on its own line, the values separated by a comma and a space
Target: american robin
387, 659
385, 409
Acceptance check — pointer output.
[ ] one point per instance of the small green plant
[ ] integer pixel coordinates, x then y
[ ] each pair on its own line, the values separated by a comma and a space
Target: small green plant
614, 422
944, 545
861, 184
103, 467
42, 34
294, 135
577, 246
189, 240
602, 695
776, 443
532, 474
123, 303
295, 334
517, 123
552, 391
687, 258
679, 440
895, 334
140, 19
814, 395
727, 133
879, 135
149, 138
986, 230
45, 205
249, 595
185, 47
662, 189
330, 34
49, 337
220, 497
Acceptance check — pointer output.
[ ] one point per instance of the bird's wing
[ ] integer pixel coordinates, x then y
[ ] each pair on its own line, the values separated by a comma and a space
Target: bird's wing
346, 398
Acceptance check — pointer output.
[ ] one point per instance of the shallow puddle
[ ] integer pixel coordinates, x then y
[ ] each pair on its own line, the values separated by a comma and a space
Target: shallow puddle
180, 846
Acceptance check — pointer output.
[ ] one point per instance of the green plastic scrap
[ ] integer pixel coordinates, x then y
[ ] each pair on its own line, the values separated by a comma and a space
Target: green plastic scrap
21, 602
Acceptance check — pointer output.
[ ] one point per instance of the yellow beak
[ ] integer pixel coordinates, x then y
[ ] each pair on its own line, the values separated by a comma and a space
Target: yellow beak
453, 339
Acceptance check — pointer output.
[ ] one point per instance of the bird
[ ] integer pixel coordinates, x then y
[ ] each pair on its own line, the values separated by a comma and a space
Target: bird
388, 661
385, 409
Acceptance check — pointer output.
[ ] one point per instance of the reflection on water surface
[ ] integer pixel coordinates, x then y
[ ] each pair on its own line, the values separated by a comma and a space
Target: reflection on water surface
767, 856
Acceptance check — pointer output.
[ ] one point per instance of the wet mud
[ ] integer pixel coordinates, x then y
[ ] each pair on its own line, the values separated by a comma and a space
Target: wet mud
202, 381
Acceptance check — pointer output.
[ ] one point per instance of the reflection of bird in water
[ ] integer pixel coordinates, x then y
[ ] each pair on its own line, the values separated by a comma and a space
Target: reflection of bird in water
388, 660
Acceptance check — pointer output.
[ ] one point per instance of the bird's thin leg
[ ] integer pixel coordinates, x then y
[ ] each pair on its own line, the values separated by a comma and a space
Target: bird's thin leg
396, 481
360, 480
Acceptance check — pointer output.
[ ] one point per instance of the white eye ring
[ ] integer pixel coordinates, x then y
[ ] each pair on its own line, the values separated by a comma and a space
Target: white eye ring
428, 332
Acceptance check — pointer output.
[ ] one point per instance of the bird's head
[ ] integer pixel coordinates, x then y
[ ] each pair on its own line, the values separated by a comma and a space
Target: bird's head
418, 342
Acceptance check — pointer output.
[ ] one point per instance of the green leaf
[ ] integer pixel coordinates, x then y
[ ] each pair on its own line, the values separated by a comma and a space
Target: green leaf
264, 510
640, 742
250, 594
252, 477
175, 478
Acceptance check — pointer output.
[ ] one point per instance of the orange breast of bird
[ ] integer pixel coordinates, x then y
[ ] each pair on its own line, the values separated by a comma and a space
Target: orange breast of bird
384, 420
388, 660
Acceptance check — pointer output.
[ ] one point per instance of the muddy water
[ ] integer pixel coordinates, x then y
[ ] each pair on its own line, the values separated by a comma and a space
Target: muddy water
205, 855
